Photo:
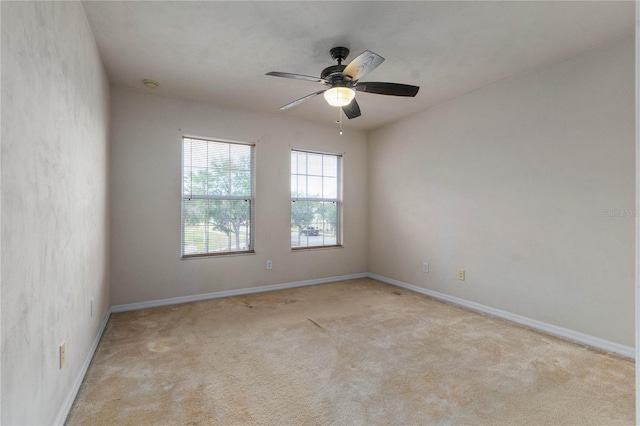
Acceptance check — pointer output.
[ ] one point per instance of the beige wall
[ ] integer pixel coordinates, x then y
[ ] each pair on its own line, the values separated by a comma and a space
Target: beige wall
513, 183
146, 155
55, 242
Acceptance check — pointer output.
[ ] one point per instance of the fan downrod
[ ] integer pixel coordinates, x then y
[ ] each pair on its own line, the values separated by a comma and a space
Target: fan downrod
339, 54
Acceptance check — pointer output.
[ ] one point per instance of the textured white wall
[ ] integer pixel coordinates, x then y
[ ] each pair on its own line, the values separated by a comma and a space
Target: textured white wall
54, 254
145, 233
637, 259
513, 184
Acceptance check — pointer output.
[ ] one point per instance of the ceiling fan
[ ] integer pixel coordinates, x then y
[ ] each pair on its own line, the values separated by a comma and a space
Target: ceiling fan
344, 80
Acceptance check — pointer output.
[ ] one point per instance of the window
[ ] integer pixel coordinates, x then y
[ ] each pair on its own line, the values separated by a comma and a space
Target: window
217, 197
315, 199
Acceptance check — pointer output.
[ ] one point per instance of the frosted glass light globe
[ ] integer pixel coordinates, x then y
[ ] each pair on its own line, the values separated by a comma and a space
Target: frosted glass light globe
339, 96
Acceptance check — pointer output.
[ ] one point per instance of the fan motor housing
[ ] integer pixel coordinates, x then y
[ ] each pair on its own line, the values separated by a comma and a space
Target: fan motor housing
333, 74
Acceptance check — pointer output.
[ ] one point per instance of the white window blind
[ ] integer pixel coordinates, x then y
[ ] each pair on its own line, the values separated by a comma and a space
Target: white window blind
217, 197
315, 199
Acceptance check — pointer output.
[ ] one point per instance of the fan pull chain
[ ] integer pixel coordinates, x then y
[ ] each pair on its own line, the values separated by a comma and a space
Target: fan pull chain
340, 119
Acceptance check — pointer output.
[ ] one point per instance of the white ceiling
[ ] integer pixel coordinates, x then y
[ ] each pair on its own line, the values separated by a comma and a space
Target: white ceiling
220, 51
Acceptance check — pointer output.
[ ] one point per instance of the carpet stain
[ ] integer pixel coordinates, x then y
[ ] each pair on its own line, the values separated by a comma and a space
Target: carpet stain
379, 360
161, 345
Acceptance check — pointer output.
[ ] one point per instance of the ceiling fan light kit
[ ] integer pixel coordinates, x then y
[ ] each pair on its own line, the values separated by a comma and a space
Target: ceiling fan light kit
339, 96
343, 82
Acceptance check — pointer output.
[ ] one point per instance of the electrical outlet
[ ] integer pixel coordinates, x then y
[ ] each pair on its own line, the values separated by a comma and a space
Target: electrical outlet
461, 274
269, 264
63, 348
425, 267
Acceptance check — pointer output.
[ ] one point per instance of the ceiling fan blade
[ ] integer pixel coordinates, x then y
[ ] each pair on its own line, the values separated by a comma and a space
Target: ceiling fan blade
301, 100
296, 76
362, 65
394, 89
352, 110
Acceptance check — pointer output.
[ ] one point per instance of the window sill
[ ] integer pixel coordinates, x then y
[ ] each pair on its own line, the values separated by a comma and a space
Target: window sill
337, 246
212, 255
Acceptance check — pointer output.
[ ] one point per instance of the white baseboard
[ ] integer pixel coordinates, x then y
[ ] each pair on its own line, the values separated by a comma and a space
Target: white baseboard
228, 293
535, 324
68, 402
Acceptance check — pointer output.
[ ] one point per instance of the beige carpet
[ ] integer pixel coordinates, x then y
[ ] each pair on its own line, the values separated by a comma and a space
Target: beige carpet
356, 352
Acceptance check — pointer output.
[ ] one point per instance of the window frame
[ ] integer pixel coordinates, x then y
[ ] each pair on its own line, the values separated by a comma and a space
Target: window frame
250, 199
338, 200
